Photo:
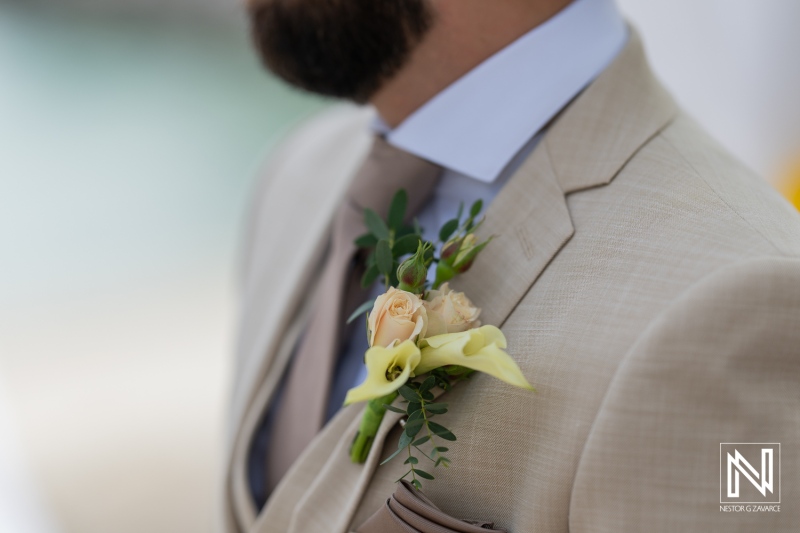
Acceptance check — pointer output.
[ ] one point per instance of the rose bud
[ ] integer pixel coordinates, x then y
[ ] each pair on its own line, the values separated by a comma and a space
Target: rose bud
468, 252
450, 250
412, 272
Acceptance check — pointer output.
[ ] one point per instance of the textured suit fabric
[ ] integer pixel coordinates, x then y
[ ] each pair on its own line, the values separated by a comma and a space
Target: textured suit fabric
649, 288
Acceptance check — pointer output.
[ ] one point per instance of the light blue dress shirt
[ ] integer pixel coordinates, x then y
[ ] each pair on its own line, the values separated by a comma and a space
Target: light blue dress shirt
480, 129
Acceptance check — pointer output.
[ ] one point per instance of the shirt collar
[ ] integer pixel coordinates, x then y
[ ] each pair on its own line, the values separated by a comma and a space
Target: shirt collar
479, 123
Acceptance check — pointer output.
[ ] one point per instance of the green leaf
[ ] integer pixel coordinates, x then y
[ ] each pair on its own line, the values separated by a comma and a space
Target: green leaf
368, 240
397, 210
423, 474
427, 396
369, 276
441, 449
411, 461
413, 430
375, 224
397, 451
476, 208
420, 441
415, 423
441, 431
414, 407
383, 257
394, 409
406, 245
408, 393
416, 415
416, 483
447, 230
405, 440
460, 210
428, 384
436, 408
363, 308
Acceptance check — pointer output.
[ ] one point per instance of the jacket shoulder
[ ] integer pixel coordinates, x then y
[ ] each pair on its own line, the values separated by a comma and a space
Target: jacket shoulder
310, 168
760, 208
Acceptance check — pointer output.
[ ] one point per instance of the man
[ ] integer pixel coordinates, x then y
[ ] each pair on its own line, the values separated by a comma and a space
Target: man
648, 284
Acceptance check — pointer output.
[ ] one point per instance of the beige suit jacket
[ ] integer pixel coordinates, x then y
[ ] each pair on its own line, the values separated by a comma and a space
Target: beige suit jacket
648, 285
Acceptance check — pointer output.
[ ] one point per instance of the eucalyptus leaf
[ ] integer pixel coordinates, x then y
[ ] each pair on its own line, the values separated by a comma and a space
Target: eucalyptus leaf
375, 224
476, 208
405, 440
411, 461
423, 474
447, 230
412, 431
394, 409
397, 210
383, 257
428, 384
397, 451
369, 276
363, 308
420, 441
408, 393
441, 449
441, 431
415, 423
406, 245
368, 240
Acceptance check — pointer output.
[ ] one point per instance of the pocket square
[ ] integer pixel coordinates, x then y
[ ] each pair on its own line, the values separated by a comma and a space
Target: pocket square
410, 511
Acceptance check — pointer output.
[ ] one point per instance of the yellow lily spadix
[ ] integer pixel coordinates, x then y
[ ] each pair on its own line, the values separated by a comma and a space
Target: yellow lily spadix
481, 349
388, 369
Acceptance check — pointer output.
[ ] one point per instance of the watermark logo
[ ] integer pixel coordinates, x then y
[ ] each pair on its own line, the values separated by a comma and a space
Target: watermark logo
749, 473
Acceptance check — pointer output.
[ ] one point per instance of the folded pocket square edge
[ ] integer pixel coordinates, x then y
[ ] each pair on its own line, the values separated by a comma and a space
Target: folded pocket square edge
408, 510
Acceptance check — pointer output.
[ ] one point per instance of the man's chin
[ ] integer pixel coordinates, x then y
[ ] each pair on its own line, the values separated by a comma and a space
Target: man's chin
345, 49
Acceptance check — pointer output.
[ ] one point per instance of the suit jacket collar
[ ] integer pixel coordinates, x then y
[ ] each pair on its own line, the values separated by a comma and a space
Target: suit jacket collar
585, 147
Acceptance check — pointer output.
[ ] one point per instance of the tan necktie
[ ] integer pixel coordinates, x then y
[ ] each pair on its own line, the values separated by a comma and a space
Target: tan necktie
302, 410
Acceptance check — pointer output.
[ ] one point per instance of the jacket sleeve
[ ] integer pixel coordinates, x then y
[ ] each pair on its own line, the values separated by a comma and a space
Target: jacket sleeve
720, 365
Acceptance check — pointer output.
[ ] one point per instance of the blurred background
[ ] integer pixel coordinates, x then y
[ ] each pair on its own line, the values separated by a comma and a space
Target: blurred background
131, 132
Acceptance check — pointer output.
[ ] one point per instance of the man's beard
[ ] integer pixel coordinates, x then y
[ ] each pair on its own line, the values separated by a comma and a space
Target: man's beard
341, 48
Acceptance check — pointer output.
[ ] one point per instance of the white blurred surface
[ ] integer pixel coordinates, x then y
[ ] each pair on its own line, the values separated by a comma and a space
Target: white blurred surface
733, 64
21, 510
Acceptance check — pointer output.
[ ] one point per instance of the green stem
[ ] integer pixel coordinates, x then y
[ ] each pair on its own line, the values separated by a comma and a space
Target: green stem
370, 421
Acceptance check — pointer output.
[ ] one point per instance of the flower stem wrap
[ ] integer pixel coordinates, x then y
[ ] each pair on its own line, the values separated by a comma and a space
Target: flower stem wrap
370, 421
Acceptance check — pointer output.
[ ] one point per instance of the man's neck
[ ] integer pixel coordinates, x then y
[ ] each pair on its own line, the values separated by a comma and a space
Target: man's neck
465, 33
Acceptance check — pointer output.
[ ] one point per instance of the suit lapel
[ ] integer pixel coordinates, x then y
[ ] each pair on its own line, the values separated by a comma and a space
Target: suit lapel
584, 147
294, 227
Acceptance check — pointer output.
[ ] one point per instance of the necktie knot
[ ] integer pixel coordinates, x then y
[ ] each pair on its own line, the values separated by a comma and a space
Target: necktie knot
387, 169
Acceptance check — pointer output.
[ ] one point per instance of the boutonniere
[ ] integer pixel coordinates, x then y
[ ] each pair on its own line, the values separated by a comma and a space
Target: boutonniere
422, 334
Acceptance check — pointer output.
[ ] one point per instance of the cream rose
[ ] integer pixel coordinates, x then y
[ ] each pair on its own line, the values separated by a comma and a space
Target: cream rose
449, 312
396, 316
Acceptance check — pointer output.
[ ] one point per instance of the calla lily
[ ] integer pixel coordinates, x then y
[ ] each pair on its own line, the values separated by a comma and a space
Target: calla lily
480, 349
388, 369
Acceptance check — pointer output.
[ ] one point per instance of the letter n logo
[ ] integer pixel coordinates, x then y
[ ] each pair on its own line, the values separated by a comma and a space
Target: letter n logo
749, 472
